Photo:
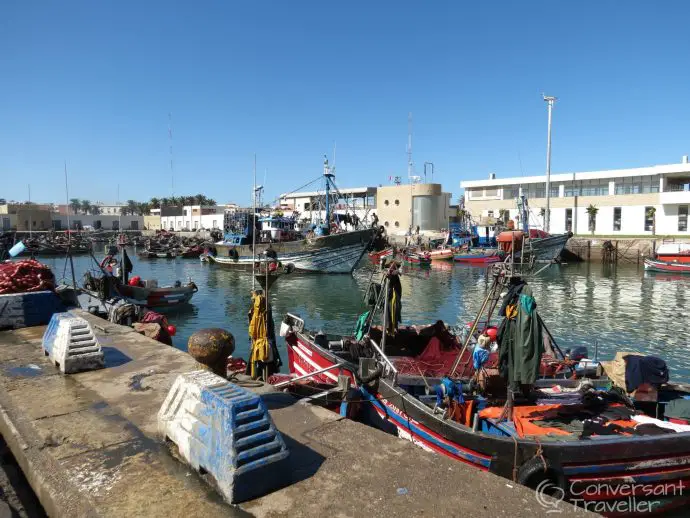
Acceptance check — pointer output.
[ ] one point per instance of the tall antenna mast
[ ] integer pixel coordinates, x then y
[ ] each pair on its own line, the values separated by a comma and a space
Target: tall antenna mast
172, 172
30, 211
254, 227
547, 214
410, 163
69, 226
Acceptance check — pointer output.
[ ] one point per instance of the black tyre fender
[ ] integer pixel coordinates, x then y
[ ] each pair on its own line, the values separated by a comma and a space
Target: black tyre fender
538, 469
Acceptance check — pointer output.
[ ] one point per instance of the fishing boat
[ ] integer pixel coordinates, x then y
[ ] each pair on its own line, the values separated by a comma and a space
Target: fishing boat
325, 249
655, 265
152, 296
441, 254
376, 257
674, 252
578, 438
479, 256
419, 259
157, 254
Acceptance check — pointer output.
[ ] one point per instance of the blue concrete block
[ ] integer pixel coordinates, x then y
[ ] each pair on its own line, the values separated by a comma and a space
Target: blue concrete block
225, 431
19, 310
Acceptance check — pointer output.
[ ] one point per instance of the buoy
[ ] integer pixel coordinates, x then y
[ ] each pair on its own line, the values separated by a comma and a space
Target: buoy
172, 330
492, 332
134, 281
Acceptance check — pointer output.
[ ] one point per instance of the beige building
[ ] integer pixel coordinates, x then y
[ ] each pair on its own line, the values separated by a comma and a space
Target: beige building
153, 220
24, 217
400, 207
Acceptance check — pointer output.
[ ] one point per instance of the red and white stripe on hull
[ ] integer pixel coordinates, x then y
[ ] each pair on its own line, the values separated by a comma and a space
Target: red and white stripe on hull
303, 360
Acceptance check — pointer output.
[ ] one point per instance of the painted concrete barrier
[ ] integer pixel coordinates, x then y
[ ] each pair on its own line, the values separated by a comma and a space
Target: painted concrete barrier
19, 310
224, 431
71, 344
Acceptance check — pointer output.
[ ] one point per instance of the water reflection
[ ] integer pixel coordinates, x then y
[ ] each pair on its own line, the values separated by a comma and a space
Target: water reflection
620, 307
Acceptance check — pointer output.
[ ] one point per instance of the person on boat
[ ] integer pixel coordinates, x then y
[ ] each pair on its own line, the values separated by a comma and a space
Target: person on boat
271, 254
394, 316
109, 262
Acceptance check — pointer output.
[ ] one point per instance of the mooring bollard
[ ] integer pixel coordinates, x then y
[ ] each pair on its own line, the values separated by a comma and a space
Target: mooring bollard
211, 348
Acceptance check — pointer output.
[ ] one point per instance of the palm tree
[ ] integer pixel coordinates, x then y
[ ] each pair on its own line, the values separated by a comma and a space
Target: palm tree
144, 209
155, 203
174, 200
75, 205
164, 202
85, 206
592, 212
209, 201
95, 210
651, 214
132, 206
199, 199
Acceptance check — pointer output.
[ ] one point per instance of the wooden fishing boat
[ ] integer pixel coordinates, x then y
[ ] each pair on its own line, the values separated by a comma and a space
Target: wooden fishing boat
157, 254
376, 257
479, 256
654, 265
268, 272
191, 252
157, 297
674, 252
399, 391
441, 254
419, 259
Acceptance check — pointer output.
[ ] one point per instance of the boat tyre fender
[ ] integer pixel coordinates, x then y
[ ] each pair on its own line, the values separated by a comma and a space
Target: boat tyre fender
537, 470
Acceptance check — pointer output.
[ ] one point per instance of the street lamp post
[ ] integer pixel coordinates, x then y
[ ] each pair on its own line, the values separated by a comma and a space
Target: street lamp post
547, 216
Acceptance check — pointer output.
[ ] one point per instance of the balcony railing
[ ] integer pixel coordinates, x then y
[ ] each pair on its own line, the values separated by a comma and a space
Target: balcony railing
677, 187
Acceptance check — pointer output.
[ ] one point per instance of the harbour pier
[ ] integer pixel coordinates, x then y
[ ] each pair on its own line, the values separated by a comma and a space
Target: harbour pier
89, 445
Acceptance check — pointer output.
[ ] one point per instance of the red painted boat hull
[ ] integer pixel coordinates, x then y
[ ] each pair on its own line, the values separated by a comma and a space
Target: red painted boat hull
666, 266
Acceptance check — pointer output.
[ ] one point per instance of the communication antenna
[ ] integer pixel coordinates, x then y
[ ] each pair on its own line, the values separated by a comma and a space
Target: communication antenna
410, 163
172, 172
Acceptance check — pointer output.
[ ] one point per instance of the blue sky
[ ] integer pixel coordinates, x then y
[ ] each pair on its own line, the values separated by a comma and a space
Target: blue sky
94, 82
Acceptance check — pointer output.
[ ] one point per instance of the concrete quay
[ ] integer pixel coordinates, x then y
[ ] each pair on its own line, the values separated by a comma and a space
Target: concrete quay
88, 444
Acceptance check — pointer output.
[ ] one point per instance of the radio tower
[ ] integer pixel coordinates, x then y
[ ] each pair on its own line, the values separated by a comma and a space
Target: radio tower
410, 163
172, 172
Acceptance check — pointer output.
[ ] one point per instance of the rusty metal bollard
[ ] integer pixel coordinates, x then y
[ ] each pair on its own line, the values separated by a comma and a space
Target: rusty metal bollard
211, 348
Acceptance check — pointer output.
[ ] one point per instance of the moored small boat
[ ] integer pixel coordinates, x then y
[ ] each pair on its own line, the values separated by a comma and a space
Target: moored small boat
479, 256
441, 254
157, 297
655, 265
674, 252
422, 259
376, 257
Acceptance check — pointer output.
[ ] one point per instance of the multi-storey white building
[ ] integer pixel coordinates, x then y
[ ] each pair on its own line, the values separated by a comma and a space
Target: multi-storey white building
310, 205
192, 217
623, 199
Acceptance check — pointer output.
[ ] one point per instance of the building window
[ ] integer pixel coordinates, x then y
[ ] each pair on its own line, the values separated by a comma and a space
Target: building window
397, 223
490, 193
554, 190
637, 185
397, 202
307, 205
385, 224
490, 214
648, 219
616, 218
385, 203
536, 190
568, 220
682, 218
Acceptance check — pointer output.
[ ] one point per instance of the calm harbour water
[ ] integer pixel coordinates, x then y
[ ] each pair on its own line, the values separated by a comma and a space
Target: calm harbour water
622, 308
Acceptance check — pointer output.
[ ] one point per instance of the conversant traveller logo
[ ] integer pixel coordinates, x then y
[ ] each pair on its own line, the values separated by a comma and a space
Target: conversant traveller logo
607, 498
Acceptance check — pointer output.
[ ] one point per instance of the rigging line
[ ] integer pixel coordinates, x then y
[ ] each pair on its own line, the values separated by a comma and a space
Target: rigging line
318, 178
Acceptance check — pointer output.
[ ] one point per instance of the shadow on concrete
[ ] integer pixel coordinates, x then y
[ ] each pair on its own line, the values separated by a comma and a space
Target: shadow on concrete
277, 400
303, 461
114, 357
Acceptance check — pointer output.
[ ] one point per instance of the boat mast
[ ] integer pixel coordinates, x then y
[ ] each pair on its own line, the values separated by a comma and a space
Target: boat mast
69, 233
254, 227
30, 211
547, 216
328, 175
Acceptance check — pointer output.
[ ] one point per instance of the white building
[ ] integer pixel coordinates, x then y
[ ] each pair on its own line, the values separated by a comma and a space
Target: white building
100, 221
192, 217
623, 198
310, 205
